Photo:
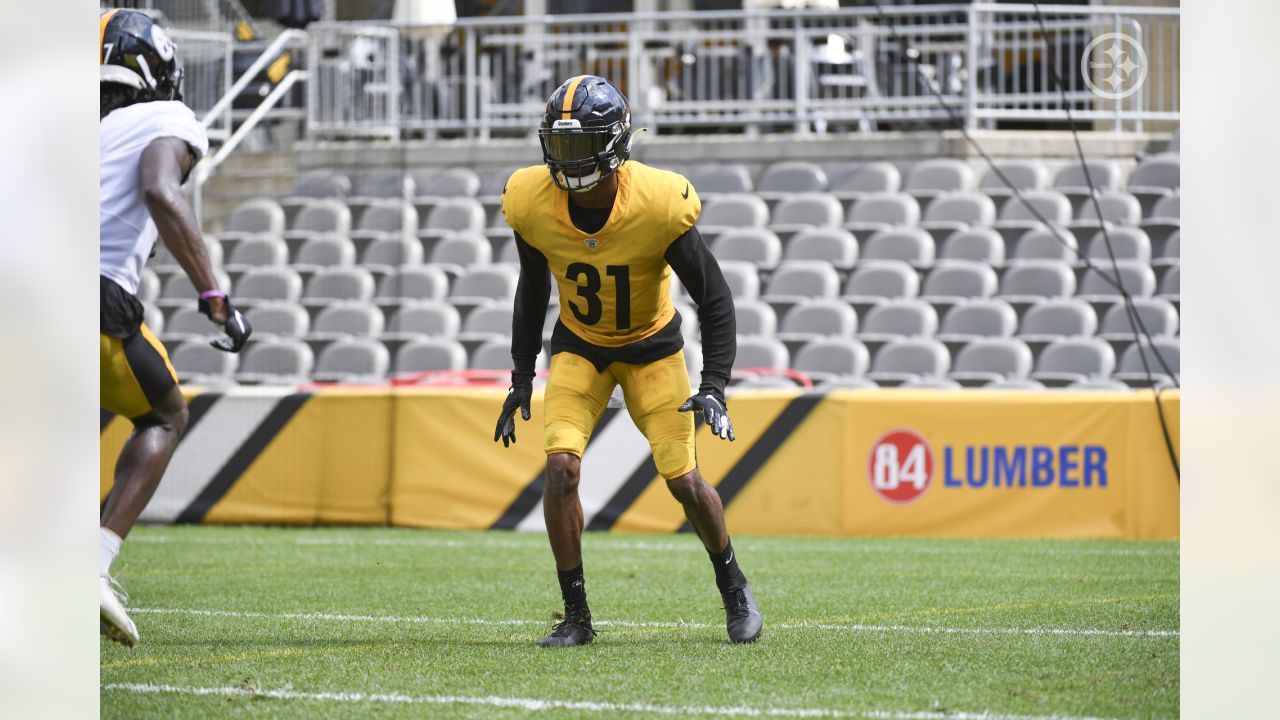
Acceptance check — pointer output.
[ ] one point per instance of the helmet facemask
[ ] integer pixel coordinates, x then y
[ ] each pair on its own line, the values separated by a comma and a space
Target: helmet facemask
581, 158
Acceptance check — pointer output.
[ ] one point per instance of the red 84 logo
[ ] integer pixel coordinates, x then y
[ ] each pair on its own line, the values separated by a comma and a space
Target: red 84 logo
900, 466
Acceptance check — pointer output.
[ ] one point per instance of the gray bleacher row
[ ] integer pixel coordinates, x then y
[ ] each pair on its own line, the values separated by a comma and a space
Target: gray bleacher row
393, 312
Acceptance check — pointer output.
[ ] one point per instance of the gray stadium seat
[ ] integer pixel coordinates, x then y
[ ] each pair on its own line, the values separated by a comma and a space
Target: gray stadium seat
1046, 244
1097, 385
495, 354
1155, 178
1017, 216
1158, 316
386, 254
834, 245
278, 318
761, 352
1170, 252
1132, 372
852, 181
259, 216
1171, 284
1073, 359
815, 320
1127, 243
431, 354
321, 217
487, 322
148, 285
268, 283
1165, 218
492, 182
757, 246
742, 277
908, 358
1137, 278
877, 211
480, 284
380, 184
847, 382
907, 244
930, 178
1118, 208
386, 218
982, 245
930, 382
187, 323
435, 318
262, 251
711, 179
986, 360
954, 211
797, 280
1030, 281
199, 364
453, 215
353, 360
163, 261
179, 291
804, 211
435, 183
1055, 319
349, 317
754, 317
1072, 182
875, 281
153, 316
954, 281
455, 253
898, 318
785, 178
508, 252
320, 184
1015, 385
425, 282
732, 211
276, 361
339, 283
322, 252
1022, 174
978, 318
832, 357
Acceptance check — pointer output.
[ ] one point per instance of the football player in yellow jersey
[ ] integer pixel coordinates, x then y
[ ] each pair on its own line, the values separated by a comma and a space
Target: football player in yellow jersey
611, 232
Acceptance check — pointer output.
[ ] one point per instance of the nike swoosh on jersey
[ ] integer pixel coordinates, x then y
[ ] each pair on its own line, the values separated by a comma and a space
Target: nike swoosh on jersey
685, 194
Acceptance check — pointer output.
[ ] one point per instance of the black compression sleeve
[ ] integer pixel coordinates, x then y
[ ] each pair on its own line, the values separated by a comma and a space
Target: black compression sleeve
697, 268
532, 293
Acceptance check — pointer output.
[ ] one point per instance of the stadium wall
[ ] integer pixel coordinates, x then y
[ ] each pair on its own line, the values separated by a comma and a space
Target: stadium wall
919, 463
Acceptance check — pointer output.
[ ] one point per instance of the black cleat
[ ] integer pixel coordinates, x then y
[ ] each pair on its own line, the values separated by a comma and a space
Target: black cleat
742, 614
574, 630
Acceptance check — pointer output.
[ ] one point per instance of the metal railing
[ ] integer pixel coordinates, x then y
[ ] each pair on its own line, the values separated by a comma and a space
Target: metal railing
802, 71
206, 67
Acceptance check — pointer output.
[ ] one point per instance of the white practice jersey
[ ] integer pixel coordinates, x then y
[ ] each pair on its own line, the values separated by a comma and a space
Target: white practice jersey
127, 233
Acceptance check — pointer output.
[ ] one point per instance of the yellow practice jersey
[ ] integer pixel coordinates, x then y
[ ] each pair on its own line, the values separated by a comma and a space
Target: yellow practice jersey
615, 285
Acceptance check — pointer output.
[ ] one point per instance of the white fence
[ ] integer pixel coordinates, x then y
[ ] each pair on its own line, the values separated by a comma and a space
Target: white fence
801, 71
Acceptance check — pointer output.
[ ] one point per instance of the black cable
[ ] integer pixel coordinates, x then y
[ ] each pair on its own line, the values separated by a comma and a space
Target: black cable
913, 56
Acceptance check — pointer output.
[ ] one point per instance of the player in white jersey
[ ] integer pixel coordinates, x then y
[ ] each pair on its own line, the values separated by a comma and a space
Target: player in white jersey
148, 143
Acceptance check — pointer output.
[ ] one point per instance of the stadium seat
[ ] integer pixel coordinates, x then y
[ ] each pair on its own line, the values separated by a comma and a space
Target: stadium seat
1097, 385
487, 322
742, 277
754, 317
199, 364
949, 212
1170, 252
1134, 374
1127, 243
321, 217
874, 281
977, 318
761, 352
930, 382
852, 181
1158, 316
507, 252
783, 179
148, 285
1055, 319
987, 360
727, 212
268, 283
832, 357
322, 252
153, 316
896, 319
1015, 385
982, 245
187, 323
814, 320
455, 253
1171, 284
905, 359
163, 261
492, 182
847, 382
495, 354
338, 283
1031, 281
434, 318
879, 211
384, 255
1022, 174
481, 284
346, 318
712, 179
757, 246
805, 211
425, 282
386, 218
179, 291
1070, 360
798, 280
834, 245
1165, 218
435, 184
430, 354
260, 251
1041, 244
1117, 207
453, 215
360, 360
907, 244
379, 185
278, 318
259, 216
1155, 178
1137, 278
955, 281
315, 185
930, 178
1020, 214
276, 361
1072, 182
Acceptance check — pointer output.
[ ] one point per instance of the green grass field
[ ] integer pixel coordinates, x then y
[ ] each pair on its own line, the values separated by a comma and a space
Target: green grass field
248, 622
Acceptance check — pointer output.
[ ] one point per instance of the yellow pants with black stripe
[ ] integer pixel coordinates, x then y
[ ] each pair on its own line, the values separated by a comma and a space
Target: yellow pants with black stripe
577, 395
135, 372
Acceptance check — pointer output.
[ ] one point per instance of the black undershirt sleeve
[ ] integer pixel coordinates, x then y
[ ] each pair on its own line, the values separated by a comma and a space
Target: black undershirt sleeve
532, 293
697, 268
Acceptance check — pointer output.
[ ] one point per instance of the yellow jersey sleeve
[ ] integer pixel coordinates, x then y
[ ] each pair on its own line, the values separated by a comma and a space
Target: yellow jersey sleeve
518, 193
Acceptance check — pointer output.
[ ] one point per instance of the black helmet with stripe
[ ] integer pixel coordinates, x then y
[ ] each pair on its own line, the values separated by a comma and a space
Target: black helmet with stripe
137, 59
585, 133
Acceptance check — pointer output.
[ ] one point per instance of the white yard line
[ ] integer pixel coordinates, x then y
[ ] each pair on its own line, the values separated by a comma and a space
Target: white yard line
533, 704
845, 627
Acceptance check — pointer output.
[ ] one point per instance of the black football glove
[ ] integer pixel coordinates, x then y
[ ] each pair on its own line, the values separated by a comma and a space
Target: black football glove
237, 328
518, 397
713, 412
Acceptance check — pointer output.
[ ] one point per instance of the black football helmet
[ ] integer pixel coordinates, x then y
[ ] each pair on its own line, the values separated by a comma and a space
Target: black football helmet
137, 53
585, 133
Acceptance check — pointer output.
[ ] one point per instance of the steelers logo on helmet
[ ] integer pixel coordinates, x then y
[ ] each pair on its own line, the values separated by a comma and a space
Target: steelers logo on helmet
137, 53
585, 132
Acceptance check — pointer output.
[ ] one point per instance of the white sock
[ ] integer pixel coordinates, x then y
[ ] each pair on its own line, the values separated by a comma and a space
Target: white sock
109, 547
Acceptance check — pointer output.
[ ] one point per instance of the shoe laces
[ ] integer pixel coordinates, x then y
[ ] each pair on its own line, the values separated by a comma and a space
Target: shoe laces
735, 602
573, 619
118, 590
